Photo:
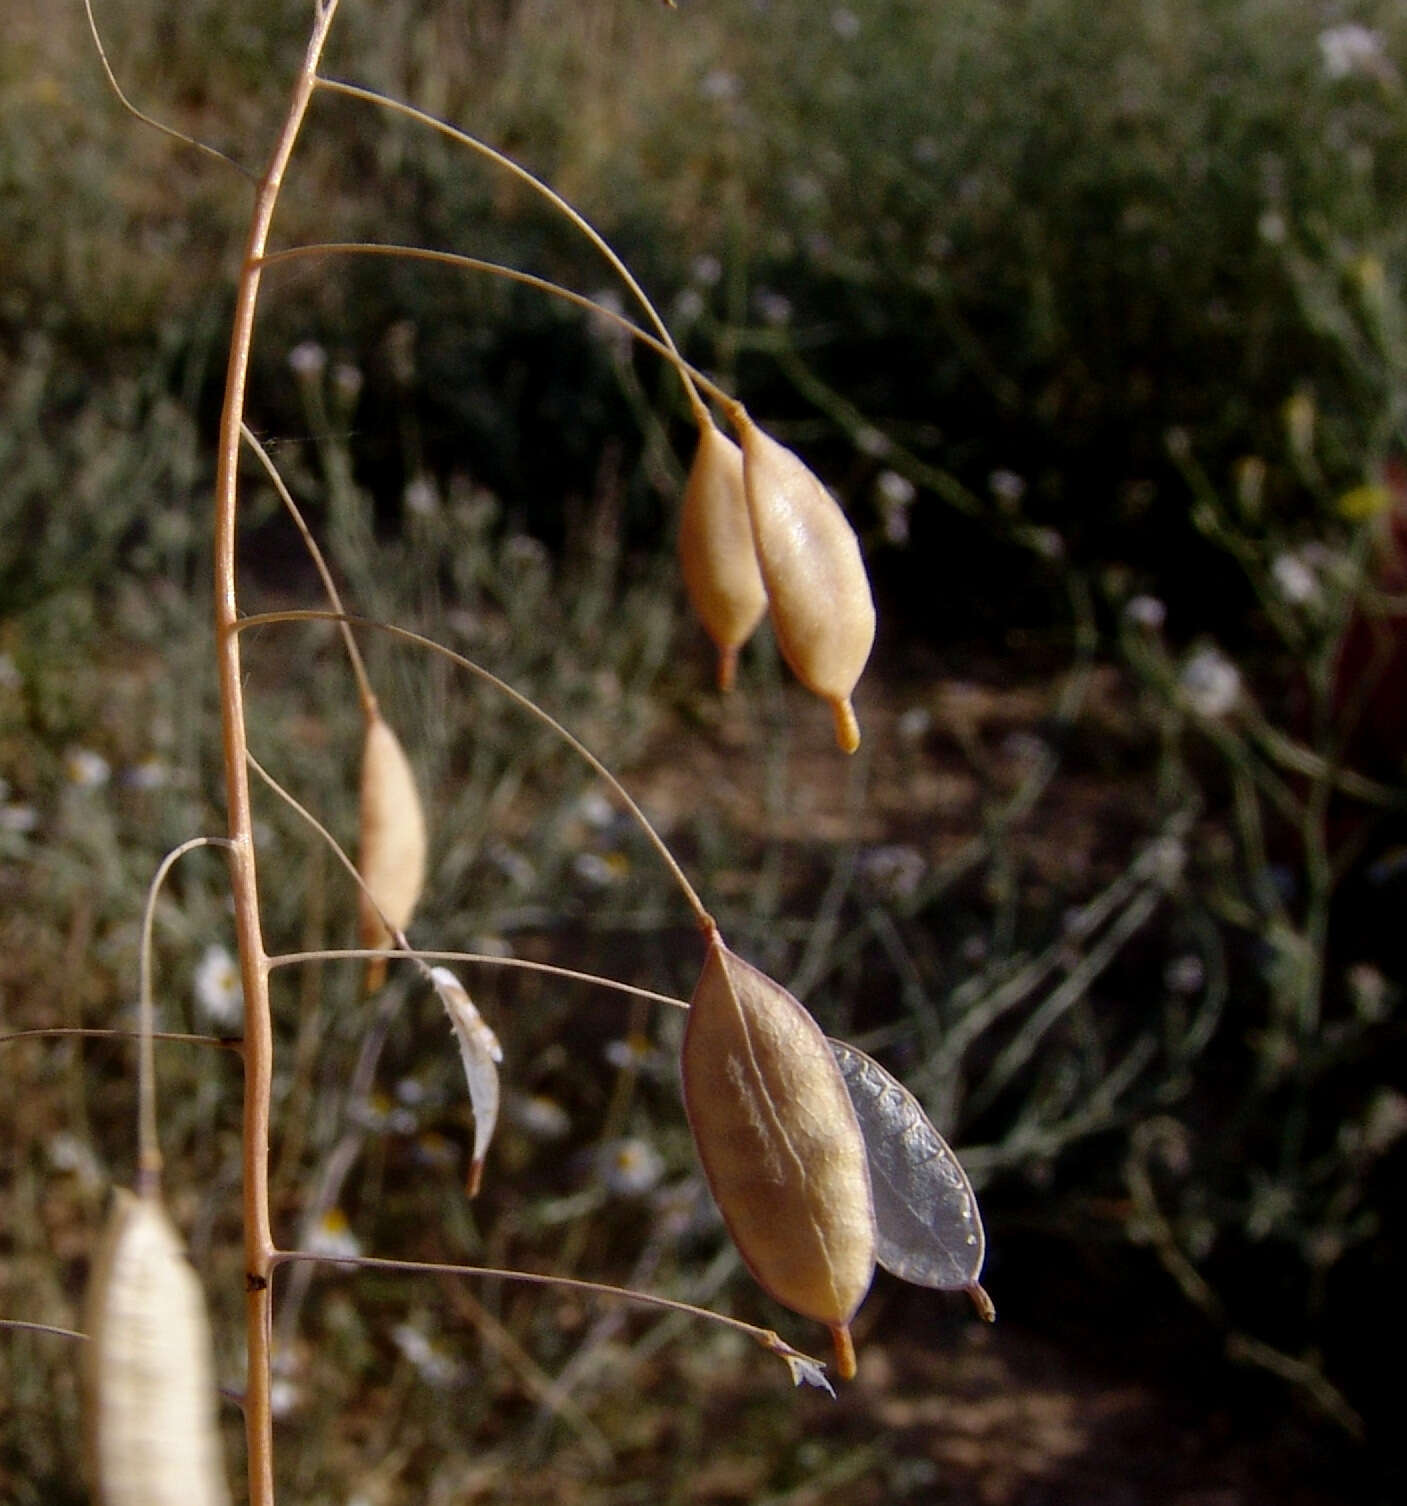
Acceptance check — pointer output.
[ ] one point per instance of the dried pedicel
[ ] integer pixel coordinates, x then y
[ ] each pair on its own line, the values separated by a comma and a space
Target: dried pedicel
817, 588
391, 852
481, 1054
716, 554
151, 1434
928, 1229
780, 1144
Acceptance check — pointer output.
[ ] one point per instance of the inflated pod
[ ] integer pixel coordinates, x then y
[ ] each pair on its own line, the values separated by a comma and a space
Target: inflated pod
716, 553
391, 851
779, 1143
817, 588
150, 1429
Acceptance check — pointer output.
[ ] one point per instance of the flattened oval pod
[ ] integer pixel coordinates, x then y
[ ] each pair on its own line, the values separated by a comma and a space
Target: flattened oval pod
779, 1143
151, 1435
928, 1228
391, 851
817, 588
716, 554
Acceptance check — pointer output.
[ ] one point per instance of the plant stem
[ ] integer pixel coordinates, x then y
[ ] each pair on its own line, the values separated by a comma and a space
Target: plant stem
258, 1028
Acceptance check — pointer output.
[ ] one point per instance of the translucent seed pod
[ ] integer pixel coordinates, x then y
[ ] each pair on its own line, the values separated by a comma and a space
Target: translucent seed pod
779, 1144
716, 554
150, 1429
817, 588
392, 847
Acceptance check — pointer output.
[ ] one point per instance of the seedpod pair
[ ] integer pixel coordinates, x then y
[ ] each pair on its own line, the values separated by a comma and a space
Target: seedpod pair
821, 1163
759, 530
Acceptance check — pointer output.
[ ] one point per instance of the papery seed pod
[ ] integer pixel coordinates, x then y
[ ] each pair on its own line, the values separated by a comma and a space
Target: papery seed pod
151, 1434
928, 1227
391, 851
817, 588
779, 1143
716, 554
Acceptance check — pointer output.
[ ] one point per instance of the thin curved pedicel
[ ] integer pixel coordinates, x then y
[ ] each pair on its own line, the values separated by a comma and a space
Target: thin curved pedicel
928, 1228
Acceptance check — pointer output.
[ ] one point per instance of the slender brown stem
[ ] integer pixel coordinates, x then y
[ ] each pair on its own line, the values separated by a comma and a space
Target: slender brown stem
258, 1029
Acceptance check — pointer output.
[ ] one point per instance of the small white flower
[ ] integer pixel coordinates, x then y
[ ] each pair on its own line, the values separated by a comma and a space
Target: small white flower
689, 306
331, 1236
1211, 683
86, 769
914, 723
18, 818
539, 1116
307, 359
595, 808
845, 24
1145, 612
284, 1396
772, 308
1007, 487
1354, 51
1185, 974
434, 1366
636, 1054
894, 871
152, 773
347, 381
630, 1167
706, 271
219, 995
609, 331
600, 872
720, 86
894, 490
1294, 579
420, 497
67, 1153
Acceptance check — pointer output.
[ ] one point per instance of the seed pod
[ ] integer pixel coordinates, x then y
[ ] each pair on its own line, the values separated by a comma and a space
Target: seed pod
150, 1429
817, 588
779, 1142
716, 554
926, 1220
391, 853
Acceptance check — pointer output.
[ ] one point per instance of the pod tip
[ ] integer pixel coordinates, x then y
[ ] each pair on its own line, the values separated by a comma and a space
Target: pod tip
727, 667
847, 729
986, 1308
845, 1366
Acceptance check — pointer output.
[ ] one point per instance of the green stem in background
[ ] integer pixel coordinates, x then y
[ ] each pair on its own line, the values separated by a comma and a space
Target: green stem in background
705, 921
499, 159
258, 1029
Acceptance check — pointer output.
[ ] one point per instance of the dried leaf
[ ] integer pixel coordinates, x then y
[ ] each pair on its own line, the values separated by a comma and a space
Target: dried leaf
481, 1053
929, 1230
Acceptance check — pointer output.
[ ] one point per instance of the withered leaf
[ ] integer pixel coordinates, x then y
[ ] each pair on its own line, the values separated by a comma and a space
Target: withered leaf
481, 1053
